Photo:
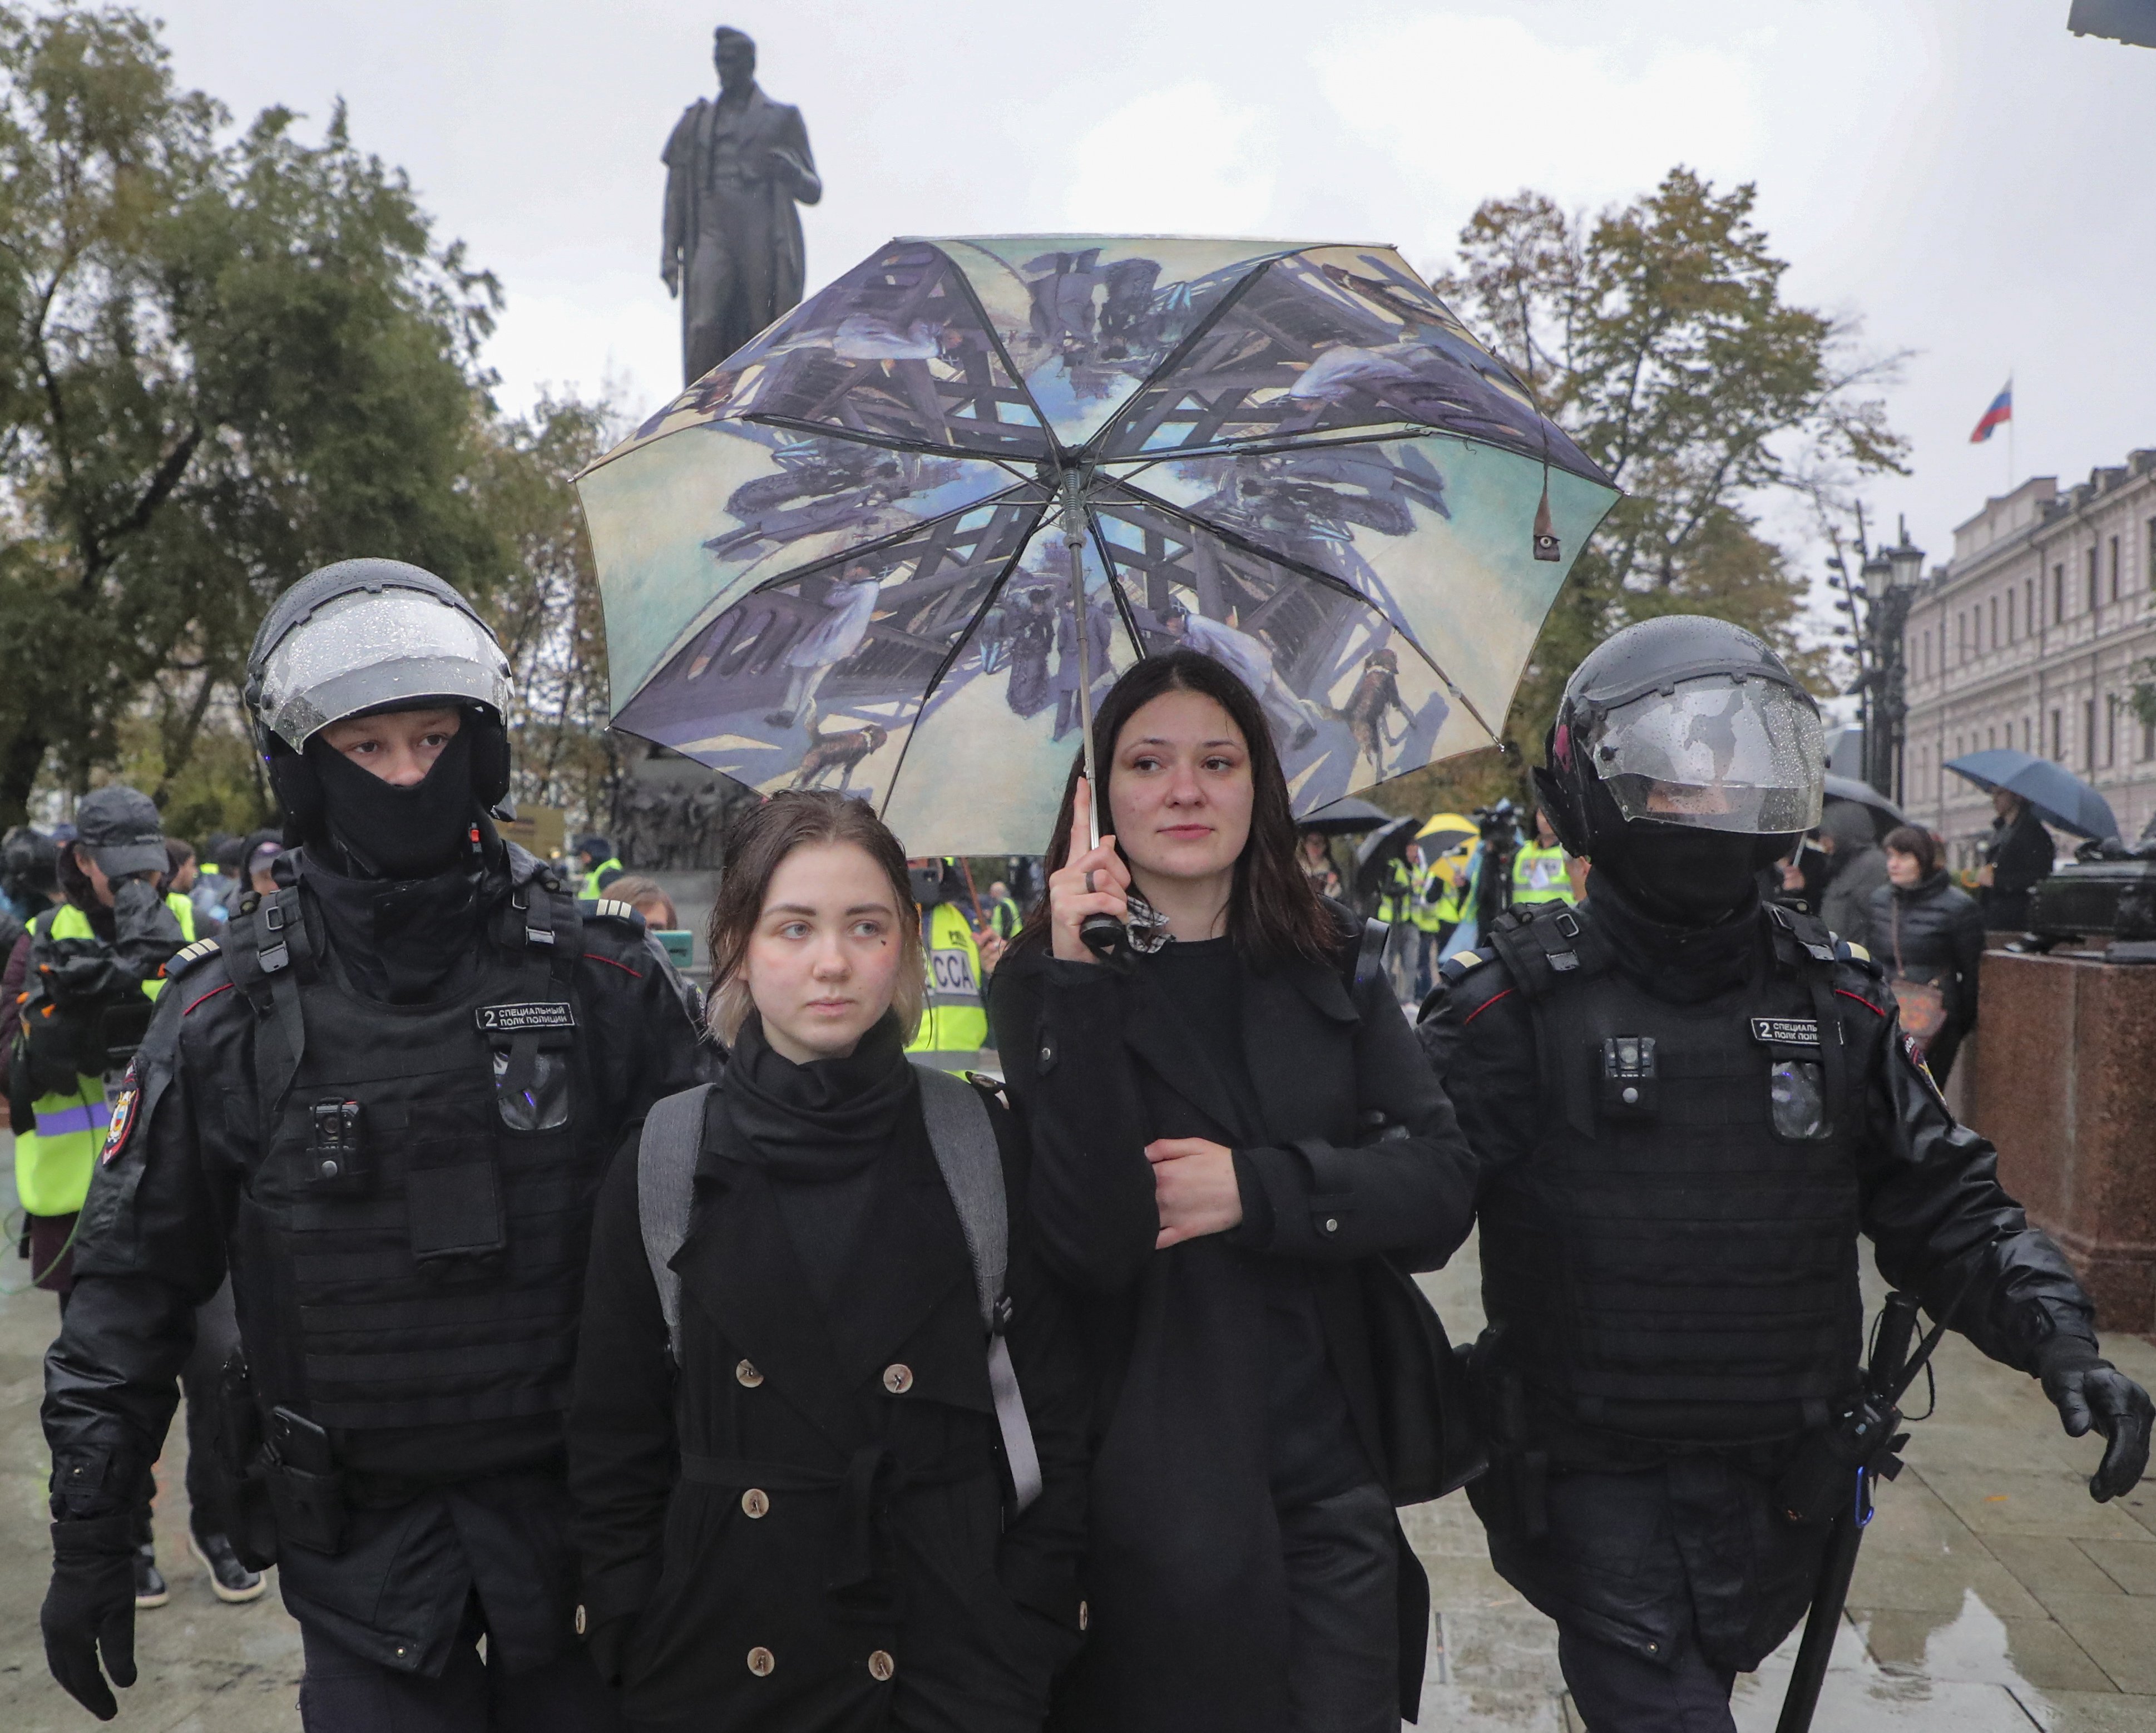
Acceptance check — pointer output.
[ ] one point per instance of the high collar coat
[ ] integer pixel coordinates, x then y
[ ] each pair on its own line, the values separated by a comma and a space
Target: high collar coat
1184, 1573
808, 1522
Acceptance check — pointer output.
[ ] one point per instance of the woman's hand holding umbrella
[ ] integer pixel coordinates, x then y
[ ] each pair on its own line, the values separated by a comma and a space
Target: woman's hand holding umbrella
1092, 881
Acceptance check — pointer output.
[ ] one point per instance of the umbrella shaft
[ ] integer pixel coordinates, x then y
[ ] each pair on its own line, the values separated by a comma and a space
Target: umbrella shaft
1073, 541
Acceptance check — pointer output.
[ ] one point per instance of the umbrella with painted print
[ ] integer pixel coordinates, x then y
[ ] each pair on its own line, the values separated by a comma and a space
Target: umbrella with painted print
902, 541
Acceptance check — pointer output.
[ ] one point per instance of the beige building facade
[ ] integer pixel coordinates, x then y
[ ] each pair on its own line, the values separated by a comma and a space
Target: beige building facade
2032, 636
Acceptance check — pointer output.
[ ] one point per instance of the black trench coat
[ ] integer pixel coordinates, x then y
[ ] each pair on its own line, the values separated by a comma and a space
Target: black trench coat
1184, 1573
812, 1518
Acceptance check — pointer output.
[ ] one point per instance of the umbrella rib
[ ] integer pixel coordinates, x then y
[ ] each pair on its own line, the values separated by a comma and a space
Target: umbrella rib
989, 329
1112, 568
794, 574
1258, 551
1265, 448
887, 442
1196, 335
957, 648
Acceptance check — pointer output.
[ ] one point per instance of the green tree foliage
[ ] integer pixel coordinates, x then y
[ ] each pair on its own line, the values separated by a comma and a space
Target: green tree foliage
224, 362
1656, 334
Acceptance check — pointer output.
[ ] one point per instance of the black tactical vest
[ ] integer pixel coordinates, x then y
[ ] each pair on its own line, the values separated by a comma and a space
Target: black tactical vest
411, 1244
1677, 1258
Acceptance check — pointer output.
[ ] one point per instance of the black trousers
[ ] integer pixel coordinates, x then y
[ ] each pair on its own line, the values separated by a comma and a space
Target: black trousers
1617, 1691
1344, 1642
344, 1693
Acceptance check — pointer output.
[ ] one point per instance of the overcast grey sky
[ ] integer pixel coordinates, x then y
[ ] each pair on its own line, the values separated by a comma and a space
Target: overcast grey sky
1973, 181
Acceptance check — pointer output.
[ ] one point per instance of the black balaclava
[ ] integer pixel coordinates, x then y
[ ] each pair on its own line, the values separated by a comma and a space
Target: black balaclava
384, 832
1683, 875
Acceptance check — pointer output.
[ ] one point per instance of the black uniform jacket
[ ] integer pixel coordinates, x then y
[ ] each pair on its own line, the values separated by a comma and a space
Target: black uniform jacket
161, 1213
1941, 1226
807, 1519
1190, 1596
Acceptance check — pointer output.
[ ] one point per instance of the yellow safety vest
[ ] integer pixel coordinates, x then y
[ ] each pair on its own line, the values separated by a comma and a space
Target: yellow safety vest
1392, 905
954, 1027
1538, 875
1423, 909
591, 892
53, 1164
1458, 867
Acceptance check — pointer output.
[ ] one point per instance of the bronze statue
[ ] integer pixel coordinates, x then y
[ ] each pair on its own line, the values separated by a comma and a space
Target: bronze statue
735, 169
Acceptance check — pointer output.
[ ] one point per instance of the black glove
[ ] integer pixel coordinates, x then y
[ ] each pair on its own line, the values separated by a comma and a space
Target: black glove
90, 1607
2089, 1391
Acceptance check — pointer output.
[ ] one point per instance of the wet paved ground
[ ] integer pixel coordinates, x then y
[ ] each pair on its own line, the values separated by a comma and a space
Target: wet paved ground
1993, 1595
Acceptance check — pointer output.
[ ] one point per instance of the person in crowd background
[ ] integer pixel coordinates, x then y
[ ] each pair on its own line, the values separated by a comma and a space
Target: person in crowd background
1856, 869
954, 1021
648, 899
383, 1100
796, 1513
1314, 855
258, 862
1930, 939
1426, 891
2018, 857
1232, 1131
102, 955
1538, 868
600, 866
1004, 915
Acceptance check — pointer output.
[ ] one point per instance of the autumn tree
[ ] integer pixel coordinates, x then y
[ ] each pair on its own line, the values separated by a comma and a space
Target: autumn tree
223, 361
1658, 335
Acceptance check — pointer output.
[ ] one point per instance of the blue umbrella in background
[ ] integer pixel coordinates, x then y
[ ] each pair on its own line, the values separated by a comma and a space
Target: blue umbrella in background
2054, 794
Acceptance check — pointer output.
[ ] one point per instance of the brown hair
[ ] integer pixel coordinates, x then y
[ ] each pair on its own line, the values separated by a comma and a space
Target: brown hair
1274, 912
637, 892
1914, 839
758, 839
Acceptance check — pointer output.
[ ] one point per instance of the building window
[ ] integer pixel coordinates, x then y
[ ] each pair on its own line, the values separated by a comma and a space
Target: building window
2148, 730
2152, 557
2028, 605
2091, 581
1994, 622
2011, 635
2110, 728
2025, 720
2055, 755
2058, 594
2088, 732
2114, 571
1990, 734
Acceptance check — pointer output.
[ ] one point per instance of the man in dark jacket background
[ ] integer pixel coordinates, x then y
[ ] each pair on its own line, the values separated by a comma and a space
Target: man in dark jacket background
2016, 859
1856, 869
385, 1099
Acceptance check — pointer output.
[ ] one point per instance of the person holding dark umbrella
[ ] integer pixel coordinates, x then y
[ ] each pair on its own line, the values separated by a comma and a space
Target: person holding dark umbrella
2016, 859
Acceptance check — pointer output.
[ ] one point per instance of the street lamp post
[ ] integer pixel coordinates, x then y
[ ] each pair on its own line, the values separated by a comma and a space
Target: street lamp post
1886, 580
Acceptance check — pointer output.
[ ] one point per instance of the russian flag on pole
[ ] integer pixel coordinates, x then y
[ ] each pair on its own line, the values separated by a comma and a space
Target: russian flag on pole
2001, 410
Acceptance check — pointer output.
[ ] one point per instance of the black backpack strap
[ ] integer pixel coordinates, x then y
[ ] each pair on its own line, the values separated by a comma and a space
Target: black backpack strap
1367, 958
269, 955
1804, 948
1549, 952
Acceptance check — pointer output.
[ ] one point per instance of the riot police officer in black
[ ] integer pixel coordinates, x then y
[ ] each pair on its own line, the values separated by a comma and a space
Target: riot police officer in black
385, 1099
1687, 1106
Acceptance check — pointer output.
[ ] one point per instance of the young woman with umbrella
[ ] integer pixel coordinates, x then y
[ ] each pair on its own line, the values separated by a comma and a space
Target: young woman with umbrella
1232, 1128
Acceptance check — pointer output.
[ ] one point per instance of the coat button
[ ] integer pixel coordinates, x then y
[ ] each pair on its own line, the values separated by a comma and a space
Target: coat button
1085, 1612
754, 1502
898, 1379
580, 1611
1332, 1224
761, 1661
880, 1665
747, 1377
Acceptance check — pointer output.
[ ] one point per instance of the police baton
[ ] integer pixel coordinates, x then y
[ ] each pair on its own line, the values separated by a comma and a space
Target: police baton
1835, 1474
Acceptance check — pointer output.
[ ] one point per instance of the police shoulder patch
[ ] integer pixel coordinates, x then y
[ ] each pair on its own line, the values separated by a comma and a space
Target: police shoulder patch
608, 909
123, 1119
1457, 964
1847, 950
187, 956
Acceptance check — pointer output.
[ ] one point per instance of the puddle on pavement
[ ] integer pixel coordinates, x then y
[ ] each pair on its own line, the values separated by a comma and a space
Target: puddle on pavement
1966, 1682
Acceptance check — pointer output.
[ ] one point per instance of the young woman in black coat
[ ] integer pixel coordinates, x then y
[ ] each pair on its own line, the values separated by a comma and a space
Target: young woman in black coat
808, 1525
1226, 1137
1929, 934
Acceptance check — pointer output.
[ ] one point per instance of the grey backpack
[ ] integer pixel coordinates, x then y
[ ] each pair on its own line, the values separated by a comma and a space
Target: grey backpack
964, 1140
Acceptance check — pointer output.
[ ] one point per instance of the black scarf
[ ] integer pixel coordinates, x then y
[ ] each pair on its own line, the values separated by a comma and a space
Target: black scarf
399, 940
385, 831
825, 1120
1683, 965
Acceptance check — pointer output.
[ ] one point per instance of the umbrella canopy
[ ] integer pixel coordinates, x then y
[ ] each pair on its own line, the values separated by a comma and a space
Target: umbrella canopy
2056, 795
902, 541
1345, 817
1446, 831
1885, 814
1384, 844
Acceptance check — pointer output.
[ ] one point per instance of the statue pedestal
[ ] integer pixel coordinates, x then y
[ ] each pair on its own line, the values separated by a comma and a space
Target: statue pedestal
2065, 1084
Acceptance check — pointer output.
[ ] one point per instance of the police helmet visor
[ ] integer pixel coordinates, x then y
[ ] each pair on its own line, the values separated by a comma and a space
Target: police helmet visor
373, 650
1716, 754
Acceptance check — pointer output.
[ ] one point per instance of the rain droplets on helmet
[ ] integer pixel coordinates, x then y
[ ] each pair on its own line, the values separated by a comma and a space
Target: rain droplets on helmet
1719, 752
365, 634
